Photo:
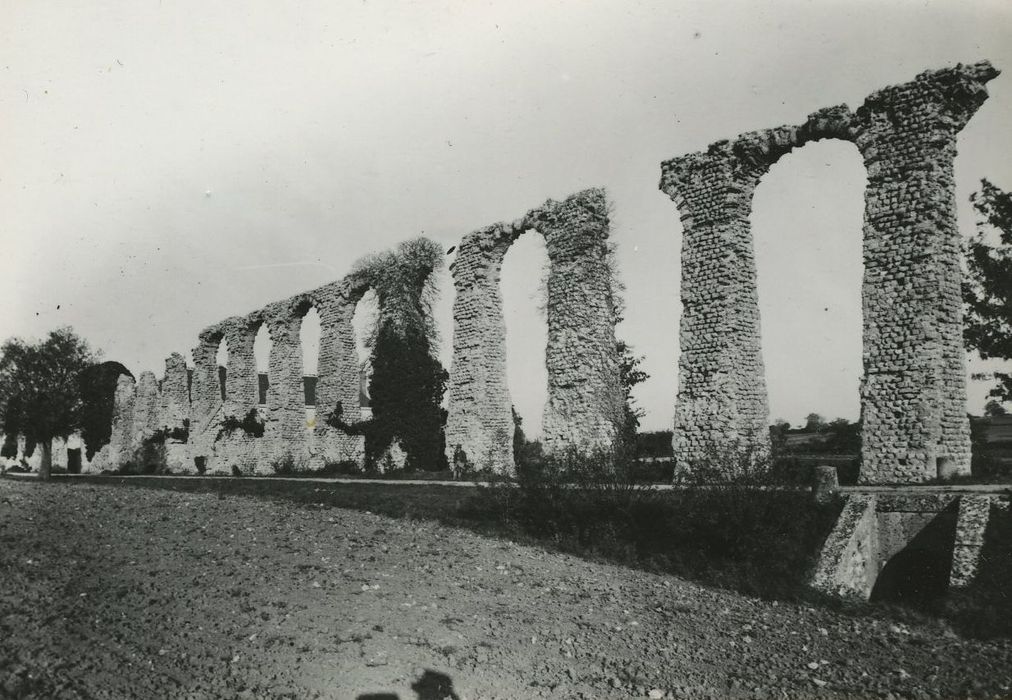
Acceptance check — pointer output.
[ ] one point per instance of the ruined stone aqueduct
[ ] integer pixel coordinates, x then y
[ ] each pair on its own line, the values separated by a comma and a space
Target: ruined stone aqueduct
913, 391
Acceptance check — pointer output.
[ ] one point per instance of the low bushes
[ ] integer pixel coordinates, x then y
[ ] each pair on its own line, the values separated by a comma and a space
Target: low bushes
733, 523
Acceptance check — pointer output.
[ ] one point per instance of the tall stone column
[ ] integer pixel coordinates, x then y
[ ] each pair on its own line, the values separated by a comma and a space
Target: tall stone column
338, 371
913, 393
175, 404
205, 393
146, 419
479, 419
286, 427
241, 383
585, 400
121, 439
174, 412
722, 403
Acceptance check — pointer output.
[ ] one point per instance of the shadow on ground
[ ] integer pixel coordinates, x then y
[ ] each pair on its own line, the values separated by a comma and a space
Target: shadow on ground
752, 542
432, 685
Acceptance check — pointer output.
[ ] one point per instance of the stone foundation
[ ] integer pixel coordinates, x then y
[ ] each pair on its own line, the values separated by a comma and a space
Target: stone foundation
873, 529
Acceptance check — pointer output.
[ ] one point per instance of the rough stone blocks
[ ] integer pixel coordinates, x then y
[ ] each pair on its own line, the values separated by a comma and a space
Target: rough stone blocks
913, 392
585, 400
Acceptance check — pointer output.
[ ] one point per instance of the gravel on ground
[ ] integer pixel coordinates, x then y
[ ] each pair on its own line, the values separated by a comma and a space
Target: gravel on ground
113, 592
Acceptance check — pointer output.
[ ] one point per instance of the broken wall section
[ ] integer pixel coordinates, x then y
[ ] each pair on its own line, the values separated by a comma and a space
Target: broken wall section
203, 431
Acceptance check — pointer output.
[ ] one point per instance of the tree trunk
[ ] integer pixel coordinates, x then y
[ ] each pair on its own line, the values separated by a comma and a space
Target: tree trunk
46, 465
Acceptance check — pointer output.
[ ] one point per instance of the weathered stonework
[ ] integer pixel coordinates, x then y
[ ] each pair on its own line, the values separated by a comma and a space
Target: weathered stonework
848, 564
146, 405
913, 391
584, 398
873, 529
121, 441
971, 525
197, 410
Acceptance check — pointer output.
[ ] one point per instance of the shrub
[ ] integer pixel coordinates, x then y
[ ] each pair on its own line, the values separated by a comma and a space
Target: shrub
289, 464
344, 467
251, 424
729, 523
149, 457
247, 466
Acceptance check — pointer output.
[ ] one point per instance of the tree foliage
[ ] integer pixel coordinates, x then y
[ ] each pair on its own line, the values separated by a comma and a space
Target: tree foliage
630, 375
98, 394
407, 384
629, 371
987, 290
994, 408
814, 422
40, 395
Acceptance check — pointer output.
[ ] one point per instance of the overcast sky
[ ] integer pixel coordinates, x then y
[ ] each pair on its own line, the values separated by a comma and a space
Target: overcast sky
164, 165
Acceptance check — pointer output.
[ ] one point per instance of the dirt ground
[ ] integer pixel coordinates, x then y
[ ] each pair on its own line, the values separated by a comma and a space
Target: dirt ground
119, 592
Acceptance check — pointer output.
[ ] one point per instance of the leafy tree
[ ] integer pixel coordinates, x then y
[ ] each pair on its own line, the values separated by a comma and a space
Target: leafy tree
629, 372
407, 383
406, 389
814, 422
40, 394
987, 290
994, 408
629, 376
98, 394
778, 435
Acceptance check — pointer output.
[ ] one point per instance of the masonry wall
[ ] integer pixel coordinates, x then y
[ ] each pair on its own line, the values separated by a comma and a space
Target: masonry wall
585, 401
913, 392
194, 417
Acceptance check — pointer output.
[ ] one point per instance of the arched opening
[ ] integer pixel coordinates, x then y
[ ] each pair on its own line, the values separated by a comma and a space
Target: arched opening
363, 322
221, 359
188, 360
807, 219
309, 341
524, 285
916, 557
262, 355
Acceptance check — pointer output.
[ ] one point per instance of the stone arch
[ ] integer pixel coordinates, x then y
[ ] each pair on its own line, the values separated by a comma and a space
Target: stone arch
523, 286
584, 397
310, 332
806, 219
221, 360
913, 391
262, 345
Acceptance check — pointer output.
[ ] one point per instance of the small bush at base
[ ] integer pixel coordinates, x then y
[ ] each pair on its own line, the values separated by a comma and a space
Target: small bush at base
287, 465
732, 524
344, 467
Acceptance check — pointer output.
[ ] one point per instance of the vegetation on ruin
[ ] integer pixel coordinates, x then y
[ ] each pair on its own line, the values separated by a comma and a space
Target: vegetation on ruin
98, 394
288, 465
987, 289
40, 394
251, 425
630, 373
408, 382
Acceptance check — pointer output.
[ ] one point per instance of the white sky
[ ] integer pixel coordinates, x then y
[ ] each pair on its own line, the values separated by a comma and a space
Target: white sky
164, 165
